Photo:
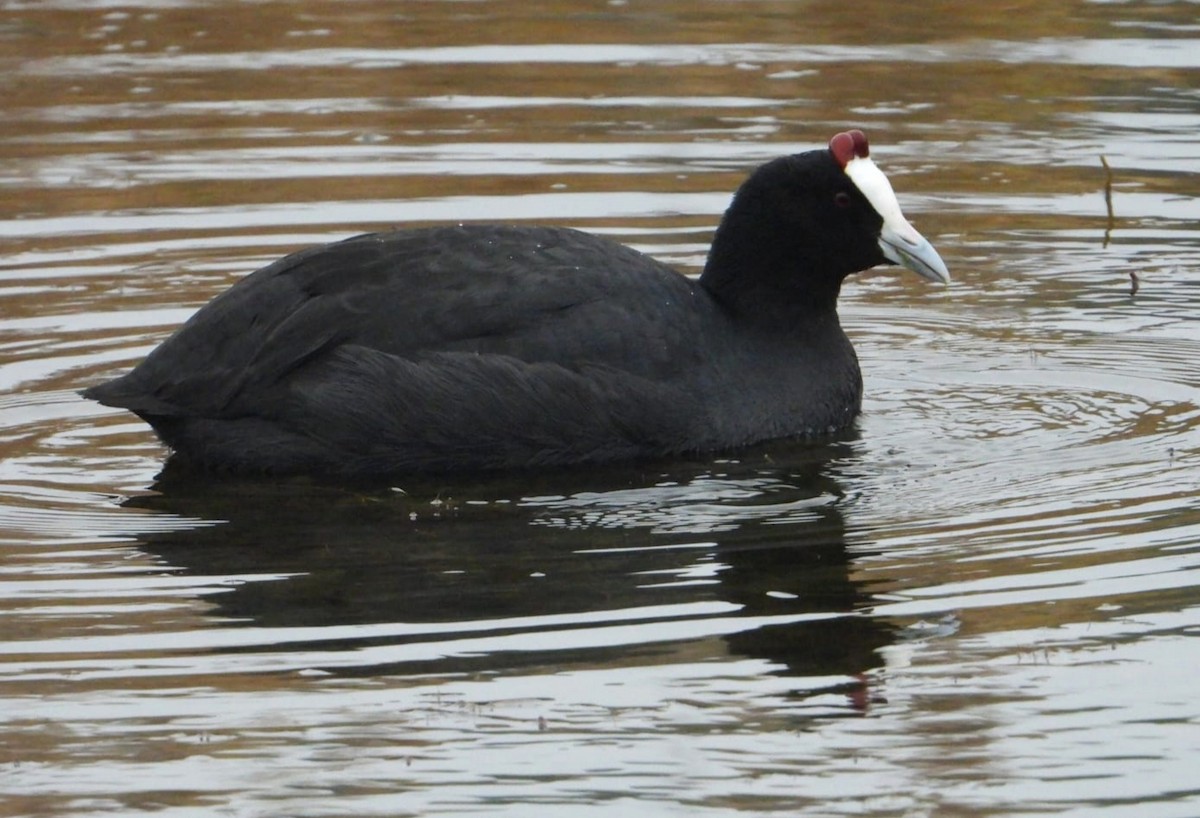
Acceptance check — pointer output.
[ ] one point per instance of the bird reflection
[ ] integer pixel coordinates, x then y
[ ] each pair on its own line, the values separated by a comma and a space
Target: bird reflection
759, 539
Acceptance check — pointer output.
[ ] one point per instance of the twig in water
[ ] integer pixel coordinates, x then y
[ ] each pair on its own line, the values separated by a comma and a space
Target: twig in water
1108, 177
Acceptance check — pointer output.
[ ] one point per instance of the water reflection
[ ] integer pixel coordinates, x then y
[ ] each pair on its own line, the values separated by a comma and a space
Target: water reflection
1027, 465
750, 551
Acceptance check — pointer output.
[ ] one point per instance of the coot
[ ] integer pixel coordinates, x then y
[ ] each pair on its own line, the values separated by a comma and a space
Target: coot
478, 347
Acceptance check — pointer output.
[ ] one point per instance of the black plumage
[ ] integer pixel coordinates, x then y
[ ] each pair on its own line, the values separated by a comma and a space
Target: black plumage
479, 347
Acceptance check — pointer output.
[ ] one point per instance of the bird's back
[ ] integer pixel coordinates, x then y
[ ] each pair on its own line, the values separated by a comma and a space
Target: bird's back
479, 347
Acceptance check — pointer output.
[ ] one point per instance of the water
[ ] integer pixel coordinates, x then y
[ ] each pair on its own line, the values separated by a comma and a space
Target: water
983, 602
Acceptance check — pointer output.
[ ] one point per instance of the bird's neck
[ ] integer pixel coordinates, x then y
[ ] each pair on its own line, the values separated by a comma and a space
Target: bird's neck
761, 281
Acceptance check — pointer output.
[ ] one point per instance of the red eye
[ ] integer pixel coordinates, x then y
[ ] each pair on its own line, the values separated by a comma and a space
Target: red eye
842, 199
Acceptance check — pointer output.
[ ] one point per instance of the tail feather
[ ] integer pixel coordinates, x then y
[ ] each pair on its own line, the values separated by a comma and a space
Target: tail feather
126, 393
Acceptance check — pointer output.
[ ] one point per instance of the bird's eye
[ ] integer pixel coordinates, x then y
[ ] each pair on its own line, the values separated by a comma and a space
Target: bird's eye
842, 199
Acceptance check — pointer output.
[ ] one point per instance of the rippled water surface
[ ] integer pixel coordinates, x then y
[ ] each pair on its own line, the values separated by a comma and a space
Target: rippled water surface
983, 602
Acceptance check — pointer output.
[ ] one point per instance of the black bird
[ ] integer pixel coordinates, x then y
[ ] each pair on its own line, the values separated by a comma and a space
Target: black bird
479, 347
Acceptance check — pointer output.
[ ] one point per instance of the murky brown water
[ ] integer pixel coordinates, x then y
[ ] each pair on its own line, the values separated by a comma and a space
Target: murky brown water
986, 603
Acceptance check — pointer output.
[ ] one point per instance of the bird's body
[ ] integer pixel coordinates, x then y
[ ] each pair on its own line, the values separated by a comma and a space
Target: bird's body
479, 347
